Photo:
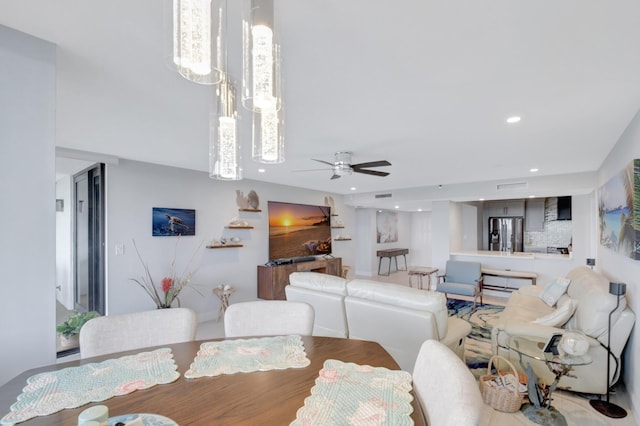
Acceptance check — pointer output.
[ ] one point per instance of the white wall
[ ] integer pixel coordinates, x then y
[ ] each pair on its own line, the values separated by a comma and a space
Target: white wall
440, 244
469, 227
420, 247
134, 188
365, 241
621, 268
27, 176
64, 293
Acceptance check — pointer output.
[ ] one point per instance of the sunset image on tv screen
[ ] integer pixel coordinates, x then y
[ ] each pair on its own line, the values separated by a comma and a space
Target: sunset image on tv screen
298, 230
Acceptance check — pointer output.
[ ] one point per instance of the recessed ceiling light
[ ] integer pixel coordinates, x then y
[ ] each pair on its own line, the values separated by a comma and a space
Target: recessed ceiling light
532, 196
481, 199
513, 119
397, 207
533, 170
353, 188
419, 210
261, 170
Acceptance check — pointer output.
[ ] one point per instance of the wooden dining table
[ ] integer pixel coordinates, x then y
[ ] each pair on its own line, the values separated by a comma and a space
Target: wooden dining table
256, 398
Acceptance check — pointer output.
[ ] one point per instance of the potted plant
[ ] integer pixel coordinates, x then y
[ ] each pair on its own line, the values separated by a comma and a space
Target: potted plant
70, 329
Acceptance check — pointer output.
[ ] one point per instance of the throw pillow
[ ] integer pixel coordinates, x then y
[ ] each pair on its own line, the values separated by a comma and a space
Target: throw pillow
560, 316
554, 290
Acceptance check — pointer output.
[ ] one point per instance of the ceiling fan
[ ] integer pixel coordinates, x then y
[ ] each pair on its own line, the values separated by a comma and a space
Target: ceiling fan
342, 166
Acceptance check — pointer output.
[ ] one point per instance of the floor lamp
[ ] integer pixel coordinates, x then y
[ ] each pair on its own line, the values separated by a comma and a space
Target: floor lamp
605, 407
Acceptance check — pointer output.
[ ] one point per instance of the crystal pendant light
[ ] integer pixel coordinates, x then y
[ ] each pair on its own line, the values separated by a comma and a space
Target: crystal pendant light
198, 42
268, 126
224, 149
260, 68
268, 137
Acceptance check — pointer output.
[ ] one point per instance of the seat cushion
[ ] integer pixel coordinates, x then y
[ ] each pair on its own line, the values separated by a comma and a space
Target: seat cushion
403, 297
591, 291
320, 282
564, 310
457, 288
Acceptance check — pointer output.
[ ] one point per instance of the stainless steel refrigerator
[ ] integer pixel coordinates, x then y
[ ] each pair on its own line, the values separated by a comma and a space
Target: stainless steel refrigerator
506, 234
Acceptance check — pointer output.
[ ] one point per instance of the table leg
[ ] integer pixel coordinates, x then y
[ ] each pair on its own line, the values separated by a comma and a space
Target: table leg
396, 258
379, 264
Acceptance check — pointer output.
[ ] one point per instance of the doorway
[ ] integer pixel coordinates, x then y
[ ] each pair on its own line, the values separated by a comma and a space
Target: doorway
80, 242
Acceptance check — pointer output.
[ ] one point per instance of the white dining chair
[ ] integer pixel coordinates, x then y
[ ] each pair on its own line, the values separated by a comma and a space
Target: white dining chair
448, 392
124, 332
268, 318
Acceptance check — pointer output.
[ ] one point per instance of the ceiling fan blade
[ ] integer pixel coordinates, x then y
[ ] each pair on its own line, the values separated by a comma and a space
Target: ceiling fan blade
325, 162
335, 176
371, 172
380, 163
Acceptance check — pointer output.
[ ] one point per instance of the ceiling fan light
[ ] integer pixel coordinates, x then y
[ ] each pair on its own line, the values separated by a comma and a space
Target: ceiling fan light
342, 169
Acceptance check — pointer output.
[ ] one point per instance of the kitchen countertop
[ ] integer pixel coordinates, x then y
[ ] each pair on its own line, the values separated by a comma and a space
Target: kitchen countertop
515, 255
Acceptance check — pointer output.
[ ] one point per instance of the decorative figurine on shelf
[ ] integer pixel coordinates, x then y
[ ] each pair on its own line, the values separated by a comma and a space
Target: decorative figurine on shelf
236, 221
250, 202
241, 201
253, 200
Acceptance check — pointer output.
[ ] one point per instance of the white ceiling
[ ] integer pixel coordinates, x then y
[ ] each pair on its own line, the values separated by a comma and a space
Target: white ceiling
425, 85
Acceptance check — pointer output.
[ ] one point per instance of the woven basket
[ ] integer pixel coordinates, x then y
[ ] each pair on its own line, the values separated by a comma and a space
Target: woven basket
500, 399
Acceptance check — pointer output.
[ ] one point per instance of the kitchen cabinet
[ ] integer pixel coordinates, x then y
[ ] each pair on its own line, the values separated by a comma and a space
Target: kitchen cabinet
534, 215
505, 208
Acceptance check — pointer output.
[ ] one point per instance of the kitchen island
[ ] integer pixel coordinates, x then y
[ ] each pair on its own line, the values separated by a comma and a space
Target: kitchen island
533, 268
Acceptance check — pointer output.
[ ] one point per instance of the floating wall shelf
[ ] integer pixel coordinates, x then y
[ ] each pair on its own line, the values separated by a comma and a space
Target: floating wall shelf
250, 210
225, 246
238, 227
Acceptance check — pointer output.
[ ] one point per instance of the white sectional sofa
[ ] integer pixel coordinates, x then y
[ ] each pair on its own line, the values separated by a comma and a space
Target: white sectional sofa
399, 318
584, 308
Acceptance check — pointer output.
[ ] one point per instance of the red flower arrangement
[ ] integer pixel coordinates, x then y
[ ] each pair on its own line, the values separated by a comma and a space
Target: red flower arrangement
170, 286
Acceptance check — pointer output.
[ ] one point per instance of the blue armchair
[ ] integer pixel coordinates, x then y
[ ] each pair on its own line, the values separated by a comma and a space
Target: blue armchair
462, 278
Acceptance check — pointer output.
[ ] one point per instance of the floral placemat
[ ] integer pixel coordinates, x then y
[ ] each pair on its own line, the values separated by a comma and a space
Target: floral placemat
247, 355
50, 392
348, 393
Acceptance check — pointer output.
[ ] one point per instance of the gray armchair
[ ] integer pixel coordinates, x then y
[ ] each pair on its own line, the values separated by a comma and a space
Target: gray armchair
462, 278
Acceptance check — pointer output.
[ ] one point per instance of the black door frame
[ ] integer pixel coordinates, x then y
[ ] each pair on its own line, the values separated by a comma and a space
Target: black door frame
95, 177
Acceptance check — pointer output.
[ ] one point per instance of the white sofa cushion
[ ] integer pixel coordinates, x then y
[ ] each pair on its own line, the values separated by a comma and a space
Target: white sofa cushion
320, 282
401, 296
554, 290
591, 291
564, 310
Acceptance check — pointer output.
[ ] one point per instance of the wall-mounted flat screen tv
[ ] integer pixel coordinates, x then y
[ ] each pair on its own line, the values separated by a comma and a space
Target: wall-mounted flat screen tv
297, 230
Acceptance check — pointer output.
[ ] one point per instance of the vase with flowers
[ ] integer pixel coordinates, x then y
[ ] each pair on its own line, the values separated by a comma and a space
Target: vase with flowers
170, 285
